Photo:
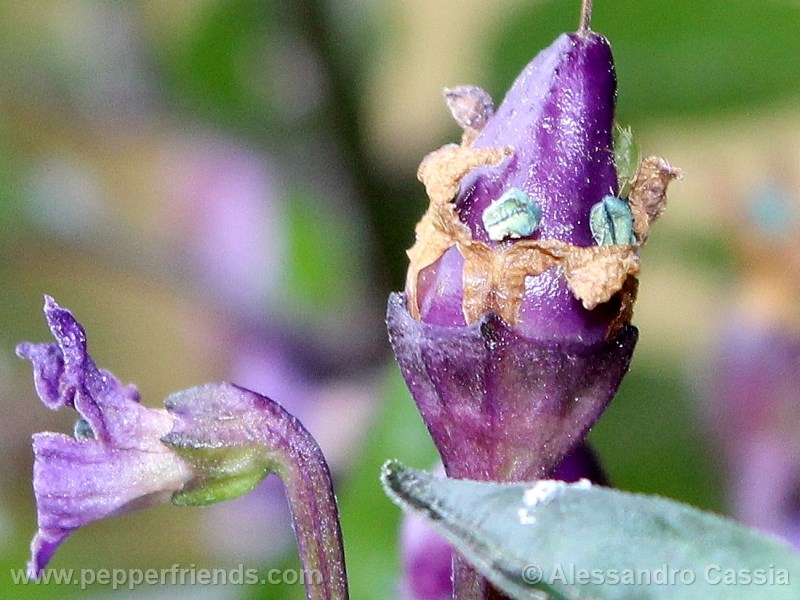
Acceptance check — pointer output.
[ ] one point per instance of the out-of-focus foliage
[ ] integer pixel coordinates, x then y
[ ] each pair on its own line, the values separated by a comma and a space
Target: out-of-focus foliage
96, 96
673, 57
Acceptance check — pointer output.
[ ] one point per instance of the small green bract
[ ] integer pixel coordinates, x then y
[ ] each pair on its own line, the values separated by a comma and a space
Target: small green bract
611, 222
626, 158
513, 215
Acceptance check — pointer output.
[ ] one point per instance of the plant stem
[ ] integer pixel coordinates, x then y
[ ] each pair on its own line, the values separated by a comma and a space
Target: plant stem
315, 519
468, 584
299, 462
233, 437
586, 17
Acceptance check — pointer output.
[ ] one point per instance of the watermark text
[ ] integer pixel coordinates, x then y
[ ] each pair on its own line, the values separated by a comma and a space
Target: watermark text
664, 575
176, 575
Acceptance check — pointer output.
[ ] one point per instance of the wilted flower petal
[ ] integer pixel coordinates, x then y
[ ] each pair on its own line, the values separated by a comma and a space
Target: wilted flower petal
212, 443
116, 462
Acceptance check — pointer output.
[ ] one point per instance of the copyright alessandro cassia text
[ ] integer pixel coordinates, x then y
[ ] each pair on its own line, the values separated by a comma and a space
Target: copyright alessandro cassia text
712, 574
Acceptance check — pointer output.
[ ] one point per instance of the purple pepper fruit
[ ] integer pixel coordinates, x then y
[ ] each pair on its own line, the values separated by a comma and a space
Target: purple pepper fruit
514, 330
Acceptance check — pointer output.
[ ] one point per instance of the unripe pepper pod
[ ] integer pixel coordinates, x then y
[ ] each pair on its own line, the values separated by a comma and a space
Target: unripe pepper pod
514, 332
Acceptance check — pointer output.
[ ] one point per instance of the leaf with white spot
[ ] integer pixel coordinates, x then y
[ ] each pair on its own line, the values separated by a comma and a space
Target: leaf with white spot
581, 541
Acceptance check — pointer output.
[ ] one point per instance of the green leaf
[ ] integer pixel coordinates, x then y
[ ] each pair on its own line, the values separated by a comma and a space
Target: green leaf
578, 541
673, 57
215, 67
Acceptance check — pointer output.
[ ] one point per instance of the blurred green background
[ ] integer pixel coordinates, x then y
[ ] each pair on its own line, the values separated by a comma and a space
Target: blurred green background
328, 106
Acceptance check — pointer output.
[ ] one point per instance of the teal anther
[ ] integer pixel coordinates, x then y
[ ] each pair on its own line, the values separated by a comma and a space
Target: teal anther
611, 222
82, 430
513, 215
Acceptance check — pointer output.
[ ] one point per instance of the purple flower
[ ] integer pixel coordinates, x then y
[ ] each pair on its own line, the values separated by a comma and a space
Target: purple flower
752, 386
114, 463
514, 332
751, 375
225, 216
213, 442
427, 561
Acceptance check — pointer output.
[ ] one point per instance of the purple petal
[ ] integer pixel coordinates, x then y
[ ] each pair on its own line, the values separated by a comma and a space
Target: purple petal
765, 482
43, 546
441, 291
581, 463
77, 482
225, 212
549, 309
48, 364
753, 380
751, 393
65, 375
499, 406
120, 466
427, 561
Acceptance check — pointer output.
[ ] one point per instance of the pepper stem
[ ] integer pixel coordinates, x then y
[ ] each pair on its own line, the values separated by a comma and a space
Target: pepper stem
315, 517
233, 438
468, 584
586, 17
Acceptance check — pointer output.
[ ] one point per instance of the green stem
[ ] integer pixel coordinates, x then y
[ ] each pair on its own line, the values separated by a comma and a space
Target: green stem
233, 438
586, 17
384, 198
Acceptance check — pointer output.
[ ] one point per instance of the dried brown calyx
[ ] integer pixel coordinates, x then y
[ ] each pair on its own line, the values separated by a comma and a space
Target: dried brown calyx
494, 276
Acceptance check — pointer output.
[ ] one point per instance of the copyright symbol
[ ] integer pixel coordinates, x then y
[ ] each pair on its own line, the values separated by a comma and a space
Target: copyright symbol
531, 574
